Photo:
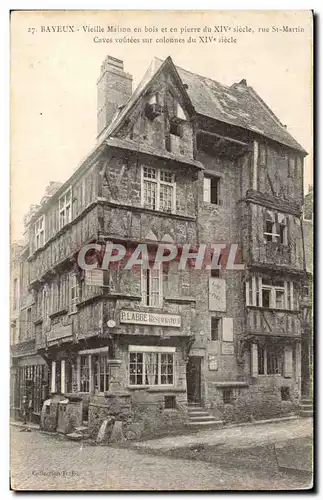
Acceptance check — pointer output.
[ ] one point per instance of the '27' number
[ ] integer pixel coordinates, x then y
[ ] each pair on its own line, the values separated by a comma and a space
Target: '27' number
31, 30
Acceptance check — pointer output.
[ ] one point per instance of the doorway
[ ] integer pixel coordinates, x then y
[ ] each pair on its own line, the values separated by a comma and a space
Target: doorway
193, 379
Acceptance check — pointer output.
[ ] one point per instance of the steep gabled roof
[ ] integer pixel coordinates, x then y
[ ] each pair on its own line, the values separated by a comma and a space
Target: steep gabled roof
237, 105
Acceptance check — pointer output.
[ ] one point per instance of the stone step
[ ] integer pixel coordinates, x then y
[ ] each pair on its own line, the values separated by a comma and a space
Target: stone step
206, 418
306, 413
83, 429
197, 413
306, 400
215, 424
75, 436
194, 404
306, 406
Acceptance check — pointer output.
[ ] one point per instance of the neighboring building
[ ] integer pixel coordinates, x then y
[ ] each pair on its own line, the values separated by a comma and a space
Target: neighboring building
309, 204
183, 159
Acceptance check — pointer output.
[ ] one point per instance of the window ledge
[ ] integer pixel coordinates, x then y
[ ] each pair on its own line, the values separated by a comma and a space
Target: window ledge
72, 313
58, 313
274, 309
180, 299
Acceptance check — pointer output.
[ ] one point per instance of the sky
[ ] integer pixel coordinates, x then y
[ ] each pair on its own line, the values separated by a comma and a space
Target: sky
54, 75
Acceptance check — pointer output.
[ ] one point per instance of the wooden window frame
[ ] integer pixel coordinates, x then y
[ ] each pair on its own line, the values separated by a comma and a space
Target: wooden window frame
158, 352
40, 232
63, 205
158, 181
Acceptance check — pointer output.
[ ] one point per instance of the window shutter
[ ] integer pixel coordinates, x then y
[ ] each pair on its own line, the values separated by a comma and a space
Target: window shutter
207, 189
247, 293
220, 200
288, 362
94, 277
254, 360
227, 330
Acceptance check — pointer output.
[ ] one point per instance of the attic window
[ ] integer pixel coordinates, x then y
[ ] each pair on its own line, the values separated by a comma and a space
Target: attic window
153, 106
176, 112
175, 129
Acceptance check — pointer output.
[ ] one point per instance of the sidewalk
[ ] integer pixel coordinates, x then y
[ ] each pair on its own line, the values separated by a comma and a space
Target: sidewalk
29, 425
236, 437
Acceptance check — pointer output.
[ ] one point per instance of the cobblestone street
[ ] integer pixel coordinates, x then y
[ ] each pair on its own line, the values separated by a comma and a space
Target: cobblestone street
45, 462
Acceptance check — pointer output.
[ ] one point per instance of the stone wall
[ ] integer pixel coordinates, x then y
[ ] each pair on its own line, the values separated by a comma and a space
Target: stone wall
254, 402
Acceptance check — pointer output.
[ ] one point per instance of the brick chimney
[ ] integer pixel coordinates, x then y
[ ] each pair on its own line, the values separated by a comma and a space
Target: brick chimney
114, 88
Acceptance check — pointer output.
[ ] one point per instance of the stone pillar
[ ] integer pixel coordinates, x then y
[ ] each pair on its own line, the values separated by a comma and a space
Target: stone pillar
53, 378
63, 376
115, 382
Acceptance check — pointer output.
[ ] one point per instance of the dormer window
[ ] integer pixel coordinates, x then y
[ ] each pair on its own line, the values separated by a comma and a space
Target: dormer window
153, 106
65, 208
175, 129
40, 232
176, 112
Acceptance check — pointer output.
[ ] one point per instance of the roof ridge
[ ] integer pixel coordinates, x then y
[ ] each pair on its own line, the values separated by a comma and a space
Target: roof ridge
198, 74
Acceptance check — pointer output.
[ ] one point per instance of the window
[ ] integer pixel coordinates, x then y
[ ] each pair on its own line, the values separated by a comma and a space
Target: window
216, 273
273, 362
285, 393
275, 227
74, 293
158, 188
101, 373
261, 360
175, 129
85, 373
211, 193
151, 368
15, 294
227, 395
170, 402
151, 286
269, 360
273, 294
282, 229
65, 208
40, 232
215, 328
270, 227
29, 323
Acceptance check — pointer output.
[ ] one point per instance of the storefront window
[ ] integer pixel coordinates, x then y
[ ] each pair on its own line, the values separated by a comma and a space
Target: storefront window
151, 368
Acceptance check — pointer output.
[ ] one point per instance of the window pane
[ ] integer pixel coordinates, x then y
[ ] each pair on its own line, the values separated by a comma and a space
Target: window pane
272, 362
150, 191
215, 328
261, 360
266, 298
215, 182
280, 299
166, 368
136, 368
149, 173
166, 176
166, 198
207, 190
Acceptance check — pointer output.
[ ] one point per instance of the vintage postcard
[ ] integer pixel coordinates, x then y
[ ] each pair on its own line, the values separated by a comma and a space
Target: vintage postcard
161, 250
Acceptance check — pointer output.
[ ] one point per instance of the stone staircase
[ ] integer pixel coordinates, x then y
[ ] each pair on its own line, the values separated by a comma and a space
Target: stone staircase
80, 433
305, 408
199, 418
